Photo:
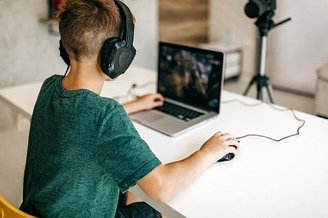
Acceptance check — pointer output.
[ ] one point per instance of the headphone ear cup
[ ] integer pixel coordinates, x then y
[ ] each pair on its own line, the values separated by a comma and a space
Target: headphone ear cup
63, 53
115, 57
123, 59
107, 53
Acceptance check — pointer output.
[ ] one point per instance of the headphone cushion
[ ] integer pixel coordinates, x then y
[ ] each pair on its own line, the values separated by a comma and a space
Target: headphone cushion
115, 57
63, 53
106, 54
123, 59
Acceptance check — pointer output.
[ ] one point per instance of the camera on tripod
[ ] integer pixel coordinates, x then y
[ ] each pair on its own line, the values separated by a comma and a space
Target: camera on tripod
256, 8
263, 10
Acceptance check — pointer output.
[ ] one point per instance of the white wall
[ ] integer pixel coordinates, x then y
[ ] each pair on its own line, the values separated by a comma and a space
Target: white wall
146, 37
29, 53
298, 48
230, 25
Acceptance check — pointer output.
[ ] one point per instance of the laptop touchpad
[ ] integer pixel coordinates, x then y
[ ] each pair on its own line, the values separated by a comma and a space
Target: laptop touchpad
147, 117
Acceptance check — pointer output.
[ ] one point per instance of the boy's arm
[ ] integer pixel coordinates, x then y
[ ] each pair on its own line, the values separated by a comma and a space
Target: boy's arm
145, 102
167, 180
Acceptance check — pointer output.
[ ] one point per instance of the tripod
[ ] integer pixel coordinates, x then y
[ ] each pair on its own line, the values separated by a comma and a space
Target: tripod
265, 24
260, 79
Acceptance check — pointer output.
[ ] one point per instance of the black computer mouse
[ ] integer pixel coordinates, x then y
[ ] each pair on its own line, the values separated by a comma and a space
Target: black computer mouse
227, 157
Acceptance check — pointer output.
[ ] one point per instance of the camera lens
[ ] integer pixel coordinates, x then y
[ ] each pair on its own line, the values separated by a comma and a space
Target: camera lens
255, 8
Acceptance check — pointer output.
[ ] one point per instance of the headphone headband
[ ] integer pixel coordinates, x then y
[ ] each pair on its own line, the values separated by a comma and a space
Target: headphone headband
117, 53
127, 17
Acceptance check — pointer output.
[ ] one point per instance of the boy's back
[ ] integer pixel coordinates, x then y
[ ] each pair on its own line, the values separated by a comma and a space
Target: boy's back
85, 149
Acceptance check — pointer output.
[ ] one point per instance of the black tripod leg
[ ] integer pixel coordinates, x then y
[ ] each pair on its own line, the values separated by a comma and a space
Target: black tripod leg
269, 90
259, 92
249, 86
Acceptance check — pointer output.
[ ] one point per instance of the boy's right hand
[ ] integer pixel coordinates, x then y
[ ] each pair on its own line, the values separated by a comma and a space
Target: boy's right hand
219, 145
167, 180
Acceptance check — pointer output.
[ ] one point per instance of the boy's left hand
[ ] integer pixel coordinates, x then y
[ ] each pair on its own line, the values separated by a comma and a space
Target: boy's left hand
145, 102
149, 101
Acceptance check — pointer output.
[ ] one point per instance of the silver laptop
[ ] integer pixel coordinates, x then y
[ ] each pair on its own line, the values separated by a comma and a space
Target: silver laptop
190, 79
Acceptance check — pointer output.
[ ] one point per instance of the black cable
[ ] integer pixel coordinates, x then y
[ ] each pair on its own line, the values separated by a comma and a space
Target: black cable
136, 86
66, 71
302, 122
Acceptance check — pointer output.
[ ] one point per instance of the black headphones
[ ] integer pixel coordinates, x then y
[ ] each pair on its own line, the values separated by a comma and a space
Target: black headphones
116, 54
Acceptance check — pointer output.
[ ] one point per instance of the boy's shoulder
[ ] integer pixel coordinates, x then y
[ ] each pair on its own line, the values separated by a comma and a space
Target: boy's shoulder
51, 80
82, 96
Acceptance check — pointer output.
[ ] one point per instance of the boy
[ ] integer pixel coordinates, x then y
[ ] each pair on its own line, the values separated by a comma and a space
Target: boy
83, 149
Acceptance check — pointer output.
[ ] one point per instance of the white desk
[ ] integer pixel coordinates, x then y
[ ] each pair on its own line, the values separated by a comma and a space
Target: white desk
266, 179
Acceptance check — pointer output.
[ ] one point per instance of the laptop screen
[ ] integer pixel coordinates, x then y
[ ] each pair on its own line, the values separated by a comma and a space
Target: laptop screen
190, 75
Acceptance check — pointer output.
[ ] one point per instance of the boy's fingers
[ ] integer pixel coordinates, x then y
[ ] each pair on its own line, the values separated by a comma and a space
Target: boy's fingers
219, 133
158, 103
158, 97
234, 146
228, 136
233, 142
232, 150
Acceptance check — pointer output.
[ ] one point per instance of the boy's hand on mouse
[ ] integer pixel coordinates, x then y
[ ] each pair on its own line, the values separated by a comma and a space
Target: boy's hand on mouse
219, 145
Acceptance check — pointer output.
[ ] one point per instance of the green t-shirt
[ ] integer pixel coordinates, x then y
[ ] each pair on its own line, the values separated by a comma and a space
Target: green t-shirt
82, 150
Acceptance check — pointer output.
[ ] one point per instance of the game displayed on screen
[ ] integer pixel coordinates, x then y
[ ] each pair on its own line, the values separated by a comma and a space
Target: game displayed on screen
190, 75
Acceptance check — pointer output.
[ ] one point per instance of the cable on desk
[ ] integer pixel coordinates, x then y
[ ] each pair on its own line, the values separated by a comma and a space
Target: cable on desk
301, 121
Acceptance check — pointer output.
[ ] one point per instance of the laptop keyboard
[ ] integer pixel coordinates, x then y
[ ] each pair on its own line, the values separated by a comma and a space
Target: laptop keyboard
178, 111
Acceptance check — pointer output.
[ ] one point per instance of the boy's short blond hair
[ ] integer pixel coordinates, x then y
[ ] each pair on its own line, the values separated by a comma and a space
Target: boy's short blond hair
84, 25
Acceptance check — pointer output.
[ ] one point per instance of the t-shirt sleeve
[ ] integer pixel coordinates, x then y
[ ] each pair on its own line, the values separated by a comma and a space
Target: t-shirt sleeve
122, 153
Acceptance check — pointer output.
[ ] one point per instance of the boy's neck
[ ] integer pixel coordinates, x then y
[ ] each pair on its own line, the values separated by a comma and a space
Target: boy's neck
84, 75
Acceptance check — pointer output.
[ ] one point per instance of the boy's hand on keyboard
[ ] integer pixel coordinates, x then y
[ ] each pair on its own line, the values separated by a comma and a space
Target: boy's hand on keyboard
144, 102
149, 101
